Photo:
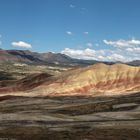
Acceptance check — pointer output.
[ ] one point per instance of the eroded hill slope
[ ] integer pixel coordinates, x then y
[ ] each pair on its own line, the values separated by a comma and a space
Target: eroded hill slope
99, 79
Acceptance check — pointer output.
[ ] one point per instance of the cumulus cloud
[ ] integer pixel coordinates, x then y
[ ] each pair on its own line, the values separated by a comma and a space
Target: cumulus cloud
97, 45
116, 57
89, 44
122, 50
21, 44
88, 54
80, 54
129, 48
133, 50
69, 32
103, 54
72, 6
86, 33
123, 43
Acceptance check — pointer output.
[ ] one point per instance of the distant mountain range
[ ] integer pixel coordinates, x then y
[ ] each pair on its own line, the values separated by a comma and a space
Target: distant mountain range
49, 58
134, 63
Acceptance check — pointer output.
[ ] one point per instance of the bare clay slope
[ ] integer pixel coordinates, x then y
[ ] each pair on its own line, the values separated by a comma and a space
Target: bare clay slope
99, 78
96, 80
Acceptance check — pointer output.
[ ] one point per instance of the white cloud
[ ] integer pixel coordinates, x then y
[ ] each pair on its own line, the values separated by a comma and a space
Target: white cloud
102, 55
84, 54
80, 54
69, 32
116, 57
89, 44
86, 33
133, 50
21, 44
97, 45
129, 49
72, 6
123, 43
122, 50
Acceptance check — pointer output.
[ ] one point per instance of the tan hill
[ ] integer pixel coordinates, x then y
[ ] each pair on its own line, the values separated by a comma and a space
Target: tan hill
99, 79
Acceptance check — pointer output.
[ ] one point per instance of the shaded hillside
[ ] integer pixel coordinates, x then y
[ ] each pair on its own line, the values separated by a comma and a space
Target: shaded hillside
24, 84
9, 71
5, 76
28, 57
134, 63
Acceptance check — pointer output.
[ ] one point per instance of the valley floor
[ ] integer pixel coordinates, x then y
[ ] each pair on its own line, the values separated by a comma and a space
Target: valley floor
70, 118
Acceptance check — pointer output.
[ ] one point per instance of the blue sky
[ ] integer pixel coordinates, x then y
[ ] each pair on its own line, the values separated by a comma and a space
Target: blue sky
79, 28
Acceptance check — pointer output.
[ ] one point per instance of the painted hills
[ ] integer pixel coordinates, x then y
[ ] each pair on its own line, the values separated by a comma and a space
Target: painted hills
29, 73
96, 80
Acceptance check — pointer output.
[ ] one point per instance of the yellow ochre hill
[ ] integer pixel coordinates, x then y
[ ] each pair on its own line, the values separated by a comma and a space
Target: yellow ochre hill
96, 80
99, 79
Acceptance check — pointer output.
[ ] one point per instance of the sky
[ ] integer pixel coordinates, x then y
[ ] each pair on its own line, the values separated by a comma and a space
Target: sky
85, 29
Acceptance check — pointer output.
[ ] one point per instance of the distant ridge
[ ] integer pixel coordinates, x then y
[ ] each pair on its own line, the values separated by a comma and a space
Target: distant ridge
134, 63
49, 58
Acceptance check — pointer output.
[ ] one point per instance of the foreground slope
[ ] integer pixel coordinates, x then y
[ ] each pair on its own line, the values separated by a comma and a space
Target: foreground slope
70, 118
